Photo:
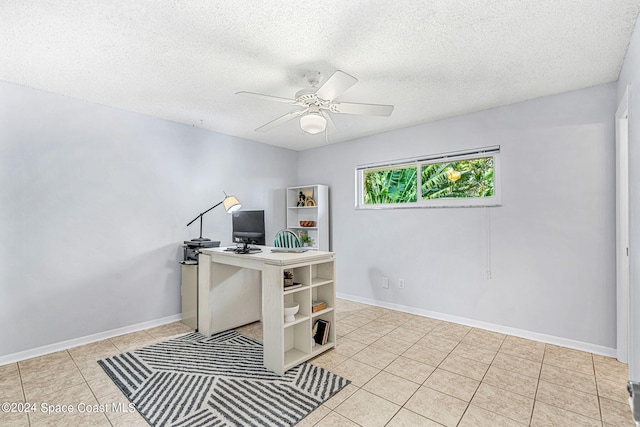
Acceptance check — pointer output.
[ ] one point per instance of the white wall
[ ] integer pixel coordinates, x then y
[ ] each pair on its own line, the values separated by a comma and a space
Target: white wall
94, 203
550, 248
630, 75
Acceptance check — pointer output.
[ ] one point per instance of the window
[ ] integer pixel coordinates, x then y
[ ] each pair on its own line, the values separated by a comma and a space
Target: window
469, 178
390, 185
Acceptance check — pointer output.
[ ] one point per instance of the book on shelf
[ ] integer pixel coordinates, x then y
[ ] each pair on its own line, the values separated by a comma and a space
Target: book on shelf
321, 331
292, 286
318, 305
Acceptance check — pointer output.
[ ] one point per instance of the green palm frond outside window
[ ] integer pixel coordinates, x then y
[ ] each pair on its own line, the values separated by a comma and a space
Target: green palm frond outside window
387, 186
465, 178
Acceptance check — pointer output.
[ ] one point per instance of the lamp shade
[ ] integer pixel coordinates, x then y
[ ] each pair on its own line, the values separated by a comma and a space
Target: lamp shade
231, 204
313, 123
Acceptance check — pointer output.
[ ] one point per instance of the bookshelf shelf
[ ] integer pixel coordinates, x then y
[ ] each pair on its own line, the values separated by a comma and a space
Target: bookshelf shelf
293, 291
321, 312
319, 281
294, 357
299, 319
317, 349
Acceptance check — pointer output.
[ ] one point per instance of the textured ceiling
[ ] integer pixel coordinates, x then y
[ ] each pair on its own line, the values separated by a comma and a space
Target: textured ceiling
185, 60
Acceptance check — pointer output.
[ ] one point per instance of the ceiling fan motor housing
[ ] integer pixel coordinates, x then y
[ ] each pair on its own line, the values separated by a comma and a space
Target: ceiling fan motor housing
307, 96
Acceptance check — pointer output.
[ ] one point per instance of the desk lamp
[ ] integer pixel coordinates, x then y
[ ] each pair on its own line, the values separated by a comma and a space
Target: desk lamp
231, 204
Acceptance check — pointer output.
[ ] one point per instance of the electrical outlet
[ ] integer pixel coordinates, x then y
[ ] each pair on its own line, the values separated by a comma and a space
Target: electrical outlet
385, 283
401, 283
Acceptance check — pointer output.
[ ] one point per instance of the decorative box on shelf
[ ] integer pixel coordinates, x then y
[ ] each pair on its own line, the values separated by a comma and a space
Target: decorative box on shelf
318, 305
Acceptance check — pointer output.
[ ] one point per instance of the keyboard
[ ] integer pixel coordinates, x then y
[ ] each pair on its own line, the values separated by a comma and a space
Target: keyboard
242, 251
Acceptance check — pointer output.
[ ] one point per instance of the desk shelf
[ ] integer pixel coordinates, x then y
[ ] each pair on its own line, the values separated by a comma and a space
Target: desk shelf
318, 281
295, 338
294, 357
318, 349
321, 312
293, 291
236, 289
299, 319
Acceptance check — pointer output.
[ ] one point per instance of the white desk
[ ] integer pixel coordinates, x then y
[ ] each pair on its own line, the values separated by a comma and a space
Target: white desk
236, 289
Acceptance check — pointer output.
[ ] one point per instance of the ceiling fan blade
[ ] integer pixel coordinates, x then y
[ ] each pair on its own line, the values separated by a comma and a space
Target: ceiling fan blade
337, 84
361, 109
267, 97
331, 126
280, 120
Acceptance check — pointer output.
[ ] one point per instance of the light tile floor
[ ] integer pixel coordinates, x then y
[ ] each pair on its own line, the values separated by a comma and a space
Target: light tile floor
405, 370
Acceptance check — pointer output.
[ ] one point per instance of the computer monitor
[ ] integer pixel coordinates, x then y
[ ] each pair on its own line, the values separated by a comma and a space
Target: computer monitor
248, 227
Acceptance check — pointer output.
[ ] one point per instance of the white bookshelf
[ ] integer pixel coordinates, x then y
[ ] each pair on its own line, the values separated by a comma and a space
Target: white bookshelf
319, 214
295, 337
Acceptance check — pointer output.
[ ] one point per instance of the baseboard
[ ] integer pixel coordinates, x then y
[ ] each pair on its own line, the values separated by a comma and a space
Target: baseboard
522, 333
65, 345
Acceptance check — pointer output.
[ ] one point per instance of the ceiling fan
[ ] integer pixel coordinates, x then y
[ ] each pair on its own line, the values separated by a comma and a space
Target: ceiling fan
318, 102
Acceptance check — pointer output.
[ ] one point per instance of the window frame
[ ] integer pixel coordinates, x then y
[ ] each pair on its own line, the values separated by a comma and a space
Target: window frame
445, 202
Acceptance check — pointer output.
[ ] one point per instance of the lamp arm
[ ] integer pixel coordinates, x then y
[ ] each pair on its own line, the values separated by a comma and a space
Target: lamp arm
200, 216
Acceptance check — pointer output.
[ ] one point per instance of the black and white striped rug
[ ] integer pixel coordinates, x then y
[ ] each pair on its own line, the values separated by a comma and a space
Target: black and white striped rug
195, 380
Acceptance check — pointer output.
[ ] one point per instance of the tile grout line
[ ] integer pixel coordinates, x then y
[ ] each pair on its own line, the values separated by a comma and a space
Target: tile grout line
535, 396
475, 391
601, 420
24, 394
595, 377
382, 370
480, 383
420, 384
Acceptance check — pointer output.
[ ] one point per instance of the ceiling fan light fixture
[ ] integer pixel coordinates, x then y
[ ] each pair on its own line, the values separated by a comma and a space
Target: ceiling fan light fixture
313, 123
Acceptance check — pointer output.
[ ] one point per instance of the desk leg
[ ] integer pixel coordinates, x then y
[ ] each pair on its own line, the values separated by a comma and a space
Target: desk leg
204, 288
272, 318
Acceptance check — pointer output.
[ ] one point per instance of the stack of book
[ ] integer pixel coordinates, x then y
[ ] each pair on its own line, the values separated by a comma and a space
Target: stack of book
318, 305
321, 331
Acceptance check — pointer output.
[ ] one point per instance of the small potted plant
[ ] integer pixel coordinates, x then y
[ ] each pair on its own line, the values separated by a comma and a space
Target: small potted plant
288, 277
305, 240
